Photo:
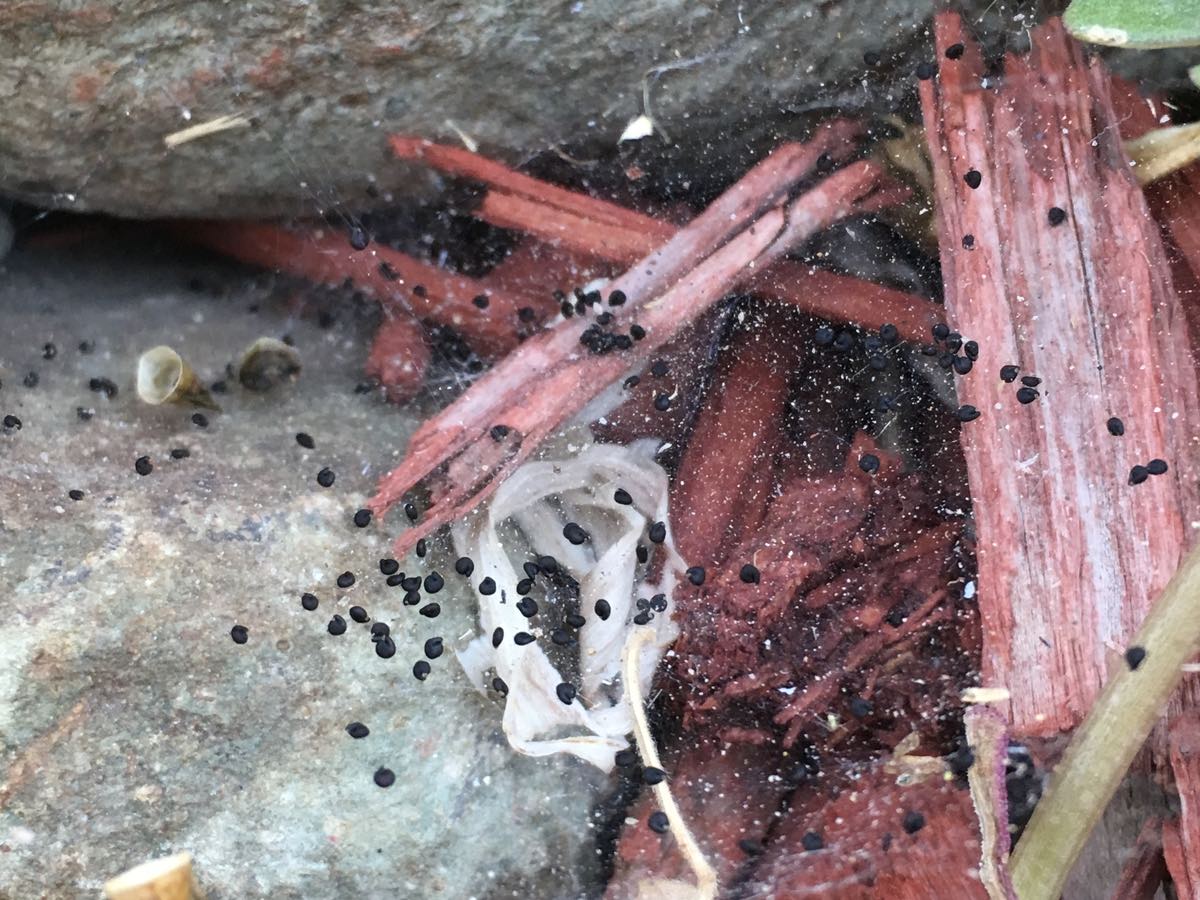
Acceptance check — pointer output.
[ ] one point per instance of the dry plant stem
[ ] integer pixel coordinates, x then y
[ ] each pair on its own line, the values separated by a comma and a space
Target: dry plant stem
1105, 744
987, 736
706, 876
169, 878
1164, 151
323, 256
606, 231
520, 393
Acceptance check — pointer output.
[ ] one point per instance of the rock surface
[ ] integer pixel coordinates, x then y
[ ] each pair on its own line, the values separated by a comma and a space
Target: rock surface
89, 90
131, 725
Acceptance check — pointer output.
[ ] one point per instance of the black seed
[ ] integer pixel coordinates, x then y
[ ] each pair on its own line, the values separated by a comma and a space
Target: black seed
1134, 657
653, 775
410, 510
1030, 380
487, 587
659, 369
240, 634
962, 364
658, 603
617, 298
531, 568
642, 603
357, 730
336, 626
895, 616
309, 601
940, 331
358, 237
913, 822
219, 387
325, 477
954, 341
749, 574
385, 778
103, 386
480, 301
1008, 374
526, 314
430, 610
143, 466
565, 691
961, 760
49, 351
562, 638
967, 413
421, 549
823, 336
421, 670
412, 583
87, 346
434, 582
1026, 395
200, 420
389, 566
548, 565
1138, 474
604, 318
812, 841
31, 380
872, 58
498, 432
971, 348
926, 70
631, 382
385, 647
575, 620
574, 534
642, 618
955, 51
869, 463
1056, 216
657, 533
345, 580
527, 607
411, 598
362, 518
889, 333
658, 822
395, 579
75, 494
625, 758
12, 422
497, 637
859, 708
621, 496
603, 610
843, 342
499, 686
359, 615
1115, 427
434, 647
180, 453
637, 332
662, 402
751, 847
464, 566
521, 638
973, 179
1157, 467
524, 586
968, 241
305, 440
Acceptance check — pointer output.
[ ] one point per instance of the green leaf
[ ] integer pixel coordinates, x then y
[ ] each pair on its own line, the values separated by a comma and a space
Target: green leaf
1138, 24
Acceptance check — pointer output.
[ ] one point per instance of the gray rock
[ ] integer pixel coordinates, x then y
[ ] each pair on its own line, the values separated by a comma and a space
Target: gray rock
131, 725
87, 96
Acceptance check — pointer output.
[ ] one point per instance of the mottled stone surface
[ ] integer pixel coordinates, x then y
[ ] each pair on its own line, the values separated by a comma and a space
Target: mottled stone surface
131, 726
89, 89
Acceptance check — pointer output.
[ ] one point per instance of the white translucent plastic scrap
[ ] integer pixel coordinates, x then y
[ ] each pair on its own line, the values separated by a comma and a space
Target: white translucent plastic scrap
533, 505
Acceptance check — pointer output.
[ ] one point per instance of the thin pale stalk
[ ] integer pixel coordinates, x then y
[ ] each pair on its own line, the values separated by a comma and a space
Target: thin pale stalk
1105, 744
